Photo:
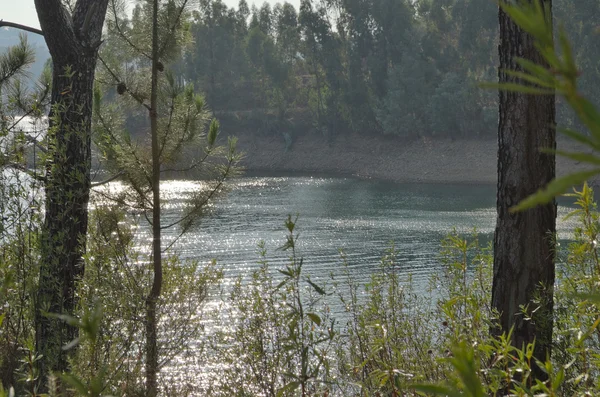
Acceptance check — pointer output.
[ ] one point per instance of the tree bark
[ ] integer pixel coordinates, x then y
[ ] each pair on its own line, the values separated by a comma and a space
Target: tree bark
524, 241
73, 41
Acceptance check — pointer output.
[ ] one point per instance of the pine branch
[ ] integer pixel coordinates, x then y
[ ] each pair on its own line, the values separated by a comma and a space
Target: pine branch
213, 192
168, 129
226, 174
14, 61
135, 96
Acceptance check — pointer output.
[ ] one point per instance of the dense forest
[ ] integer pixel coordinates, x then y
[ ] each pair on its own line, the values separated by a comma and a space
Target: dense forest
357, 66
407, 68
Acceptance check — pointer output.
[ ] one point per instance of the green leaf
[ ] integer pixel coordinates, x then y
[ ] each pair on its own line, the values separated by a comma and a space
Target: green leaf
281, 284
72, 321
319, 290
593, 298
536, 70
579, 137
530, 78
290, 387
567, 53
555, 188
314, 318
97, 99
515, 87
578, 156
558, 380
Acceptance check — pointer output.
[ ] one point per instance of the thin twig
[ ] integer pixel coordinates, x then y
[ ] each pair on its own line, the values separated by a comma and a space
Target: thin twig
104, 182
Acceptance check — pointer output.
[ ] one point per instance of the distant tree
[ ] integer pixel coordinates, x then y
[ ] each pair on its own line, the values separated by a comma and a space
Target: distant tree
345, 60
287, 32
401, 112
265, 19
322, 50
524, 241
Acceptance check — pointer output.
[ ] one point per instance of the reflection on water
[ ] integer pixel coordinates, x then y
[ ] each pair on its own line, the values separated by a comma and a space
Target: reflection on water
360, 217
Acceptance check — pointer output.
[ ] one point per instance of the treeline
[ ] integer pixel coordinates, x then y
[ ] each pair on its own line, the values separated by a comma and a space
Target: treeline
401, 67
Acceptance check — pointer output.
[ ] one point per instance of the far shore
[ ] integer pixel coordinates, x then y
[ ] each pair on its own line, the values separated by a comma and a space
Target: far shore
425, 160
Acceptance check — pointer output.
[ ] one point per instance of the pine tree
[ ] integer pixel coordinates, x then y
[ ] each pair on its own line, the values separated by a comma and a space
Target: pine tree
176, 118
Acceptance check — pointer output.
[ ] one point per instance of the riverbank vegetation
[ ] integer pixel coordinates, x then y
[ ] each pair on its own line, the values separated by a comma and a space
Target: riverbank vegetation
133, 324
274, 334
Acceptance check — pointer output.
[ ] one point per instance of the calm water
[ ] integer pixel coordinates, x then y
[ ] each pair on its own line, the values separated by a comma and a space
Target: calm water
360, 217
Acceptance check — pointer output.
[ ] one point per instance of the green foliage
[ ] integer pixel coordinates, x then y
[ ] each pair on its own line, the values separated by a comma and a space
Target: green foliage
395, 339
572, 370
21, 155
576, 299
13, 62
357, 66
282, 340
558, 75
396, 336
117, 281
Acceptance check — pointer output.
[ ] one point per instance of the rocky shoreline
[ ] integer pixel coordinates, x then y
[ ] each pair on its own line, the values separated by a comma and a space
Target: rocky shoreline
426, 160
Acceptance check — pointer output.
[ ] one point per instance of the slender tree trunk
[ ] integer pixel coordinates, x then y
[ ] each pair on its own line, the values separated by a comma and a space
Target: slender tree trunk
73, 41
152, 300
524, 241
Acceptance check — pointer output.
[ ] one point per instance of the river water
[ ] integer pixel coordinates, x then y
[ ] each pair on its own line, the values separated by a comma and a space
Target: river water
360, 217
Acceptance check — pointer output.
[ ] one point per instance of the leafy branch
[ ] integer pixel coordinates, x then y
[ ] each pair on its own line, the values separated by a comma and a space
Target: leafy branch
559, 76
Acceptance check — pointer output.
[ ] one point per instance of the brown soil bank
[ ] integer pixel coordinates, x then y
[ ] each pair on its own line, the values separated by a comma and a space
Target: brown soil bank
382, 157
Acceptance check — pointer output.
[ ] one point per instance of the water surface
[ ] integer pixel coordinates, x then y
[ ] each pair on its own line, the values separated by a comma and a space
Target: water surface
360, 217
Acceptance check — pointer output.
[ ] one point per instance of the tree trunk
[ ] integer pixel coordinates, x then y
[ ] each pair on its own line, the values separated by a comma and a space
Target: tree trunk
73, 42
152, 299
524, 241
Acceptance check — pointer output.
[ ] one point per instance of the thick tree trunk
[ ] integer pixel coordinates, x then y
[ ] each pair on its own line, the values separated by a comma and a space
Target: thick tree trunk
65, 224
524, 241
73, 42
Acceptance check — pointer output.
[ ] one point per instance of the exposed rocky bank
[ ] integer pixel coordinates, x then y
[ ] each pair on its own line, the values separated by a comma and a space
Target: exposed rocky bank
427, 160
